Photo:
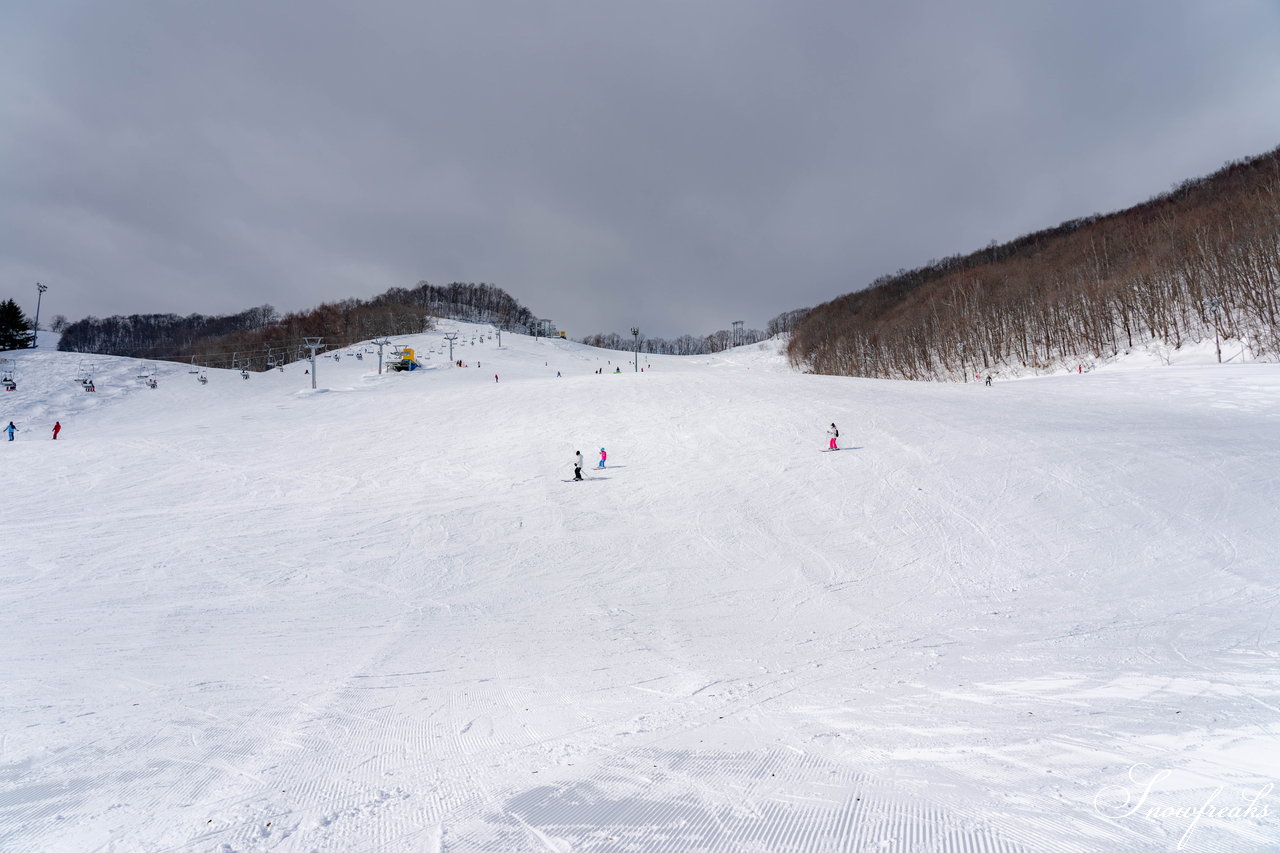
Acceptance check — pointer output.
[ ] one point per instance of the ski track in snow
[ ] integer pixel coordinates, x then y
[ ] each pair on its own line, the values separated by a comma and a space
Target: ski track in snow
251, 617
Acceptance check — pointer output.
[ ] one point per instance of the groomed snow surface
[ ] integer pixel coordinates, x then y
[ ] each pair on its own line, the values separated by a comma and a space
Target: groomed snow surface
249, 616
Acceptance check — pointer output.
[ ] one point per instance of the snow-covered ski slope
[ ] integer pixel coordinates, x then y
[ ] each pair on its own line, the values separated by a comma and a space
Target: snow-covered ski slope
249, 616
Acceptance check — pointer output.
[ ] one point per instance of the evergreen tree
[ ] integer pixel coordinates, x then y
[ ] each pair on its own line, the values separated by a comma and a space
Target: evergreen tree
15, 328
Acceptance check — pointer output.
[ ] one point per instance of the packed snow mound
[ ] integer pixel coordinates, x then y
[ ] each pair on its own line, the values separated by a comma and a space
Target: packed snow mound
248, 615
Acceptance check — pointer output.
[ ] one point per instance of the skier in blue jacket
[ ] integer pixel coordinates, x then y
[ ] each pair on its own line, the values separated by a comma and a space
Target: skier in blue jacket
11, 429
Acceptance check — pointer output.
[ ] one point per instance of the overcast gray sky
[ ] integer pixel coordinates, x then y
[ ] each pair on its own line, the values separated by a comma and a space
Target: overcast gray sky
676, 164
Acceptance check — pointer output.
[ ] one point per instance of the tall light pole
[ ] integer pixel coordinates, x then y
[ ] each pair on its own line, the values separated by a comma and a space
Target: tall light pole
451, 337
313, 344
635, 333
35, 337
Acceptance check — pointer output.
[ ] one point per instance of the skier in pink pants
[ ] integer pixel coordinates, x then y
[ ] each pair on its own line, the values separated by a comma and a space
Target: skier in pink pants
834, 433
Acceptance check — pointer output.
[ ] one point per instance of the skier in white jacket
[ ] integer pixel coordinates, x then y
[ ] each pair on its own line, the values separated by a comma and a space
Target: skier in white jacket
834, 434
577, 465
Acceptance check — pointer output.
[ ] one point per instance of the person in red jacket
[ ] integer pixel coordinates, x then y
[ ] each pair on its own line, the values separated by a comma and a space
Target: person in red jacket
57, 428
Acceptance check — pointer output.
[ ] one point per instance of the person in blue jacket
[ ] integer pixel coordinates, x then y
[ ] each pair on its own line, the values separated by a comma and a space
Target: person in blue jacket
11, 429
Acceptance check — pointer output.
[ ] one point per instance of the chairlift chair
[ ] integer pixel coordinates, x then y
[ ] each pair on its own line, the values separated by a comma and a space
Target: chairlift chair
8, 382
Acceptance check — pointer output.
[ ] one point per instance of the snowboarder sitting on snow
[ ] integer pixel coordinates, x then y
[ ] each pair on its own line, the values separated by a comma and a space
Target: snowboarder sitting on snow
11, 429
834, 433
577, 465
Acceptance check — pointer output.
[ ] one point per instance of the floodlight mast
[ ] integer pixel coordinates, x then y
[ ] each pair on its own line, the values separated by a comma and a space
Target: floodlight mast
313, 344
35, 336
635, 333
382, 343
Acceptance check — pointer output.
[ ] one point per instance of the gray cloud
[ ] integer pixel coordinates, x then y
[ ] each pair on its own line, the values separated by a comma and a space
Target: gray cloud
673, 164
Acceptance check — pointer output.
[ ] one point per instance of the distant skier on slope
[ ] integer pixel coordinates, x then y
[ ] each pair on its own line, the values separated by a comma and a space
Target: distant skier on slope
577, 464
11, 429
603, 457
57, 428
834, 434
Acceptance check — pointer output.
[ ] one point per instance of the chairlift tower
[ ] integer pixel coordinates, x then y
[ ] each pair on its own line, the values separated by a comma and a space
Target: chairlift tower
739, 336
313, 344
635, 333
451, 337
381, 343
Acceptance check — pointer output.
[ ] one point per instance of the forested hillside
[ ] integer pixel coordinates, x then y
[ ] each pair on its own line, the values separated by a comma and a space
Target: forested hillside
1201, 260
698, 344
256, 337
